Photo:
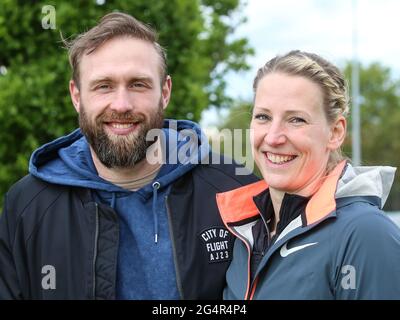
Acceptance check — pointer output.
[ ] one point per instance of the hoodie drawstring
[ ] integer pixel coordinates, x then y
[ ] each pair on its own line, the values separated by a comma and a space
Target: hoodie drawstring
113, 200
156, 186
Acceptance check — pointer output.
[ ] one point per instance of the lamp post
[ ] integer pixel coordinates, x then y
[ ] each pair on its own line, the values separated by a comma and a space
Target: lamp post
355, 84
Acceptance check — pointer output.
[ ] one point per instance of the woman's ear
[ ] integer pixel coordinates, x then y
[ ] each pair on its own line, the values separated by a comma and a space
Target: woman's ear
338, 133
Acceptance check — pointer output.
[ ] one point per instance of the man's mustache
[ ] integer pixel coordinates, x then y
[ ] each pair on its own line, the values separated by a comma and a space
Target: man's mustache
126, 116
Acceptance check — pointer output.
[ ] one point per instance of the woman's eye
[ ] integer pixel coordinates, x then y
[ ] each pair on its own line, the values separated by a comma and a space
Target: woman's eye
297, 120
262, 117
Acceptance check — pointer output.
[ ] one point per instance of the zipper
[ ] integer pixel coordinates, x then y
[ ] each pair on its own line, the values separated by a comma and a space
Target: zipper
171, 231
96, 236
247, 244
254, 282
268, 235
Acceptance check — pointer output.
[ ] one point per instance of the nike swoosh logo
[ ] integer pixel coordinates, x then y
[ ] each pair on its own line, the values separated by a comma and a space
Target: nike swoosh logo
285, 251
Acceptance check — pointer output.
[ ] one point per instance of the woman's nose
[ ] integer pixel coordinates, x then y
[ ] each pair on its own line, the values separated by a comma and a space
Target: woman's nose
276, 135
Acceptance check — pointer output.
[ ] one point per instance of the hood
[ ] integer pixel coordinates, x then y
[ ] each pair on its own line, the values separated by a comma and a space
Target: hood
68, 161
366, 181
344, 181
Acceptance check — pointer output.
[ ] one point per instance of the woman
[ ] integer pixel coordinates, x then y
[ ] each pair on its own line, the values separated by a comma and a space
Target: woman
314, 228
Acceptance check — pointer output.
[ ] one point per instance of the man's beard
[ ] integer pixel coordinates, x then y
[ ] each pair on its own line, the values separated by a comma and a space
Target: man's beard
120, 151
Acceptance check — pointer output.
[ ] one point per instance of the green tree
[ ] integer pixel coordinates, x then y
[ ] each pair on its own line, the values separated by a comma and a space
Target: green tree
380, 122
34, 72
237, 125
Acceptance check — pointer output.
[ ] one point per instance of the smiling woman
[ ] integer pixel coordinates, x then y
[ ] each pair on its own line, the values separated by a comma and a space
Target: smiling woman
292, 140
305, 231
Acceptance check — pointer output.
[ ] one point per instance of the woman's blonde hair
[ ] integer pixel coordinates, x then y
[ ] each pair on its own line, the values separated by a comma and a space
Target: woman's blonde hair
323, 73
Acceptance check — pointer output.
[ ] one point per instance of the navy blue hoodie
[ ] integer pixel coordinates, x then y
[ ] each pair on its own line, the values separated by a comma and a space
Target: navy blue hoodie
145, 267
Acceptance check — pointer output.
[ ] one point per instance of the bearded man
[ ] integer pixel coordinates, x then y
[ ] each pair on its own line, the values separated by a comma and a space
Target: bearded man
97, 217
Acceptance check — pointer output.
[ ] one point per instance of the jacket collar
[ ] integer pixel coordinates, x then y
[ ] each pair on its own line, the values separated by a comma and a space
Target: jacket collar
292, 206
238, 205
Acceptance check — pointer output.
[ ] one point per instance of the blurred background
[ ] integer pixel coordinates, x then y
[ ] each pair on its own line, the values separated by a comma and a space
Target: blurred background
214, 50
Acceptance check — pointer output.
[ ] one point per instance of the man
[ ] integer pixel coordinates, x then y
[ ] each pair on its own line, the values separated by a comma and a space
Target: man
98, 219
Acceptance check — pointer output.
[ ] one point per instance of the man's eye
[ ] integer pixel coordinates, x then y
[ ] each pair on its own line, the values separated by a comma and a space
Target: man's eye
138, 85
103, 87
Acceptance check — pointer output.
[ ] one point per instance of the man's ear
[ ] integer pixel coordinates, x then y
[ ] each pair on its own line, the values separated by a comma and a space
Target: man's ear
75, 94
338, 133
166, 91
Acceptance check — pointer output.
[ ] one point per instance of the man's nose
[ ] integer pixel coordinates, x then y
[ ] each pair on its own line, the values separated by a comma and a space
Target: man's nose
276, 134
121, 101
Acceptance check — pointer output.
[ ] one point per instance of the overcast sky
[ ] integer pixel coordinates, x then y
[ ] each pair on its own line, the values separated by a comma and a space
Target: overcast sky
320, 26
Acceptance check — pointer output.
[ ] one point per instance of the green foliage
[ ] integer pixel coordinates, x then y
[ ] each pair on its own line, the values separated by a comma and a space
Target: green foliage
238, 120
34, 100
239, 116
380, 122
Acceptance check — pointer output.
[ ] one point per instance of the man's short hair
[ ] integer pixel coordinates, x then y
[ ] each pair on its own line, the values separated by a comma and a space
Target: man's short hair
111, 26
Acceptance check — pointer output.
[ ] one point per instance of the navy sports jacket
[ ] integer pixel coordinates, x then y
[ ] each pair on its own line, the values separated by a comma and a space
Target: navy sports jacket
341, 246
56, 242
